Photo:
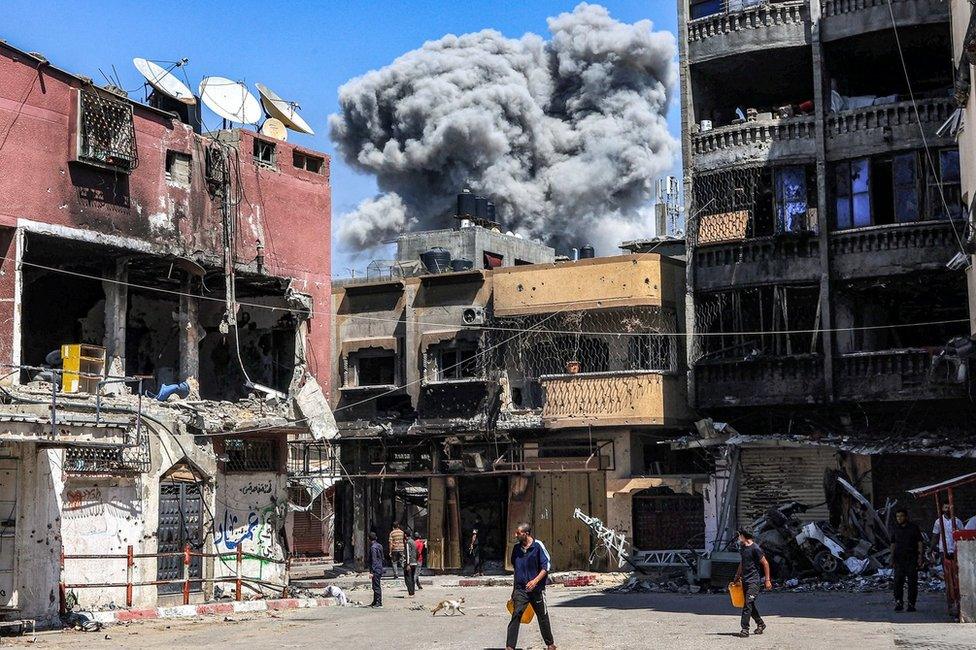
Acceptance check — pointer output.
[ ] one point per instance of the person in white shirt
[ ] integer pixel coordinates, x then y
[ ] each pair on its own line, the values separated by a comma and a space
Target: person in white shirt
951, 524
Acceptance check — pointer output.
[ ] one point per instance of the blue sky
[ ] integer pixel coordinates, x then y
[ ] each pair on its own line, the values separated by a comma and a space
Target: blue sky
302, 50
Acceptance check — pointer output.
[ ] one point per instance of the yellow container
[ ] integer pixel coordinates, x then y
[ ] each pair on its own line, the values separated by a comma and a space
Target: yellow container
527, 615
738, 594
84, 367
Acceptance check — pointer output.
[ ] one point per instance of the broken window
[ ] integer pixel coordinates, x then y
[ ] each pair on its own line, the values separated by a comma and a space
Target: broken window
455, 360
307, 162
853, 194
702, 8
251, 455
371, 367
946, 178
264, 152
772, 320
106, 132
178, 168
886, 189
791, 199
754, 202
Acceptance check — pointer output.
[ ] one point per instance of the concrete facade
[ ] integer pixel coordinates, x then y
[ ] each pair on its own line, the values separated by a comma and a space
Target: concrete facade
471, 243
815, 319
183, 258
480, 423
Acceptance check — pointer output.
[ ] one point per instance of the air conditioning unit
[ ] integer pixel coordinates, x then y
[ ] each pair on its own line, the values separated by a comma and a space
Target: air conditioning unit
473, 316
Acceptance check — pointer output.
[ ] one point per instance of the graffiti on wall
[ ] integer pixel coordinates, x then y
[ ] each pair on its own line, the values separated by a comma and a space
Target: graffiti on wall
251, 518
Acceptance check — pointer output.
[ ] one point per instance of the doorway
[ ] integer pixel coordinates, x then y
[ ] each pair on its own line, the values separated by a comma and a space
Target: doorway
180, 523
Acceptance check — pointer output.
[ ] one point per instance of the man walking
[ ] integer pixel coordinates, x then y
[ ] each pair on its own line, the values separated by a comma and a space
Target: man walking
531, 562
906, 558
396, 547
950, 524
474, 549
410, 568
754, 572
420, 544
376, 569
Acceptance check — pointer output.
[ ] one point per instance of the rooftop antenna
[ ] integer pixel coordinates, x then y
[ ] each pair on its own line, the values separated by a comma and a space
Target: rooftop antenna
164, 81
231, 100
284, 111
273, 128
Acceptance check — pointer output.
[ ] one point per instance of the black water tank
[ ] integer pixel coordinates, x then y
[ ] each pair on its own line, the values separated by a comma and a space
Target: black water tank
436, 260
466, 205
461, 265
491, 211
481, 207
587, 252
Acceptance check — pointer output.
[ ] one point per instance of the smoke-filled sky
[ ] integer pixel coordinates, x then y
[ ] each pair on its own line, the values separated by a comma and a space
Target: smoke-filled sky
566, 132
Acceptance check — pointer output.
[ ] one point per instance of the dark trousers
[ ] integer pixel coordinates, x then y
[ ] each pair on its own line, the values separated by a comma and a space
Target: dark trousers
749, 610
377, 588
522, 599
416, 573
906, 570
410, 577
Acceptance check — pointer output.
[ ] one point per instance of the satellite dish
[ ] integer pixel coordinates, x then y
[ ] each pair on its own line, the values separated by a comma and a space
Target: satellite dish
281, 110
274, 128
230, 100
164, 81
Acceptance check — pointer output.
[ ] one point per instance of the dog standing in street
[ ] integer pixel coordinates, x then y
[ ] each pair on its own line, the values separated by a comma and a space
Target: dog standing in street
450, 606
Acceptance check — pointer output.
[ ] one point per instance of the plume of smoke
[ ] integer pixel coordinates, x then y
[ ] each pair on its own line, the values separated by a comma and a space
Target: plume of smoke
566, 136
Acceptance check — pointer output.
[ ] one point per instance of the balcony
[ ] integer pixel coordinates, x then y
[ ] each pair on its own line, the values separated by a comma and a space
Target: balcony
622, 398
785, 140
787, 258
762, 27
844, 18
797, 379
890, 375
877, 129
879, 251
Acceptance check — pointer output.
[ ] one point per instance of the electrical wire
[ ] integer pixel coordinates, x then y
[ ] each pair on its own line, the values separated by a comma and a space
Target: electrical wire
493, 328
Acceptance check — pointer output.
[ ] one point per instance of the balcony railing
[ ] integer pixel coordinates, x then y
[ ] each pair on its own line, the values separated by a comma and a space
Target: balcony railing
612, 398
892, 249
797, 379
783, 139
873, 129
891, 375
767, 25
843, 18
789, 258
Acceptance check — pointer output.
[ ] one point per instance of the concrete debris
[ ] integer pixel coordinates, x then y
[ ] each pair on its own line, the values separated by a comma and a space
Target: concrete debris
880, 581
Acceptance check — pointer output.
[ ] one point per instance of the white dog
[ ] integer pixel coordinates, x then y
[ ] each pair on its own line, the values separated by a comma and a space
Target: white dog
450, 605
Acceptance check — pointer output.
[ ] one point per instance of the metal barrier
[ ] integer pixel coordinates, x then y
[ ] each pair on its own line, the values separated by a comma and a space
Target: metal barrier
239, 579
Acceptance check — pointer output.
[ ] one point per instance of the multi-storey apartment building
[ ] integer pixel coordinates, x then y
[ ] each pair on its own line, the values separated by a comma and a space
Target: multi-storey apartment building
824, 205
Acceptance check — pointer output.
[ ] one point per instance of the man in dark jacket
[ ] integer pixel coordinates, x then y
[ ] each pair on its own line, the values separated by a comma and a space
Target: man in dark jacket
531, 562
376, 569
906, 558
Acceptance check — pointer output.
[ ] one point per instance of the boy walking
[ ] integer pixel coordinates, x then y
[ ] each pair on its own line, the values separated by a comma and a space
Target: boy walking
754, 573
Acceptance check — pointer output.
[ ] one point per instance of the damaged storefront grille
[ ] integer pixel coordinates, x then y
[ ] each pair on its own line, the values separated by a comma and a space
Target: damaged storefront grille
107, 460
107, 134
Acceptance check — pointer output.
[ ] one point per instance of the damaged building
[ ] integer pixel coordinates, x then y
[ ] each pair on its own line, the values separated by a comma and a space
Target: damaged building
142, 258
507, 388
825, 207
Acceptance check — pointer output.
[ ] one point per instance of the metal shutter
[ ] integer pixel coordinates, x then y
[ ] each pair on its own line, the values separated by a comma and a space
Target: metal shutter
773, 476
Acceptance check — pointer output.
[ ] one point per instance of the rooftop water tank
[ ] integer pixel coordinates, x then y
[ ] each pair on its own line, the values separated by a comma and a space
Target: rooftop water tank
461, 265
466, 204
436, 260
587, 252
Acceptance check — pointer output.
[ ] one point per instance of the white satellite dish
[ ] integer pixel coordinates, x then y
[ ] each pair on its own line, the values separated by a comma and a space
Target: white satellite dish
164, 81
274, 128
278, 108
230, 100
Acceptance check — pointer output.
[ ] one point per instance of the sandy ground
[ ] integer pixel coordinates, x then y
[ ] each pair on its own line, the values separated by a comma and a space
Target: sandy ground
582, 618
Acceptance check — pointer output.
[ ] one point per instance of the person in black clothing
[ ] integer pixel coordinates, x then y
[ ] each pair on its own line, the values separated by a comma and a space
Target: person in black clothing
754, 573
906, 558
376, 569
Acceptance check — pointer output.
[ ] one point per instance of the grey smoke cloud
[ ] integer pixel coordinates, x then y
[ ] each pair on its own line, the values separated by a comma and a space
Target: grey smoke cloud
566, 136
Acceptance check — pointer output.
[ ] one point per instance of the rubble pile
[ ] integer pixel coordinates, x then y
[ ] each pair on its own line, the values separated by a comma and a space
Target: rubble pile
930, 581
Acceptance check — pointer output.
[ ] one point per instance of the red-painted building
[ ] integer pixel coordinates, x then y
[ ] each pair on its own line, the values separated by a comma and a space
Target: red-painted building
114, 217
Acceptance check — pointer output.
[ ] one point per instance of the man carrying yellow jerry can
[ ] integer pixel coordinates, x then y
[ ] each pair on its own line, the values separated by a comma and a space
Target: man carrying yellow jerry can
753, 573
